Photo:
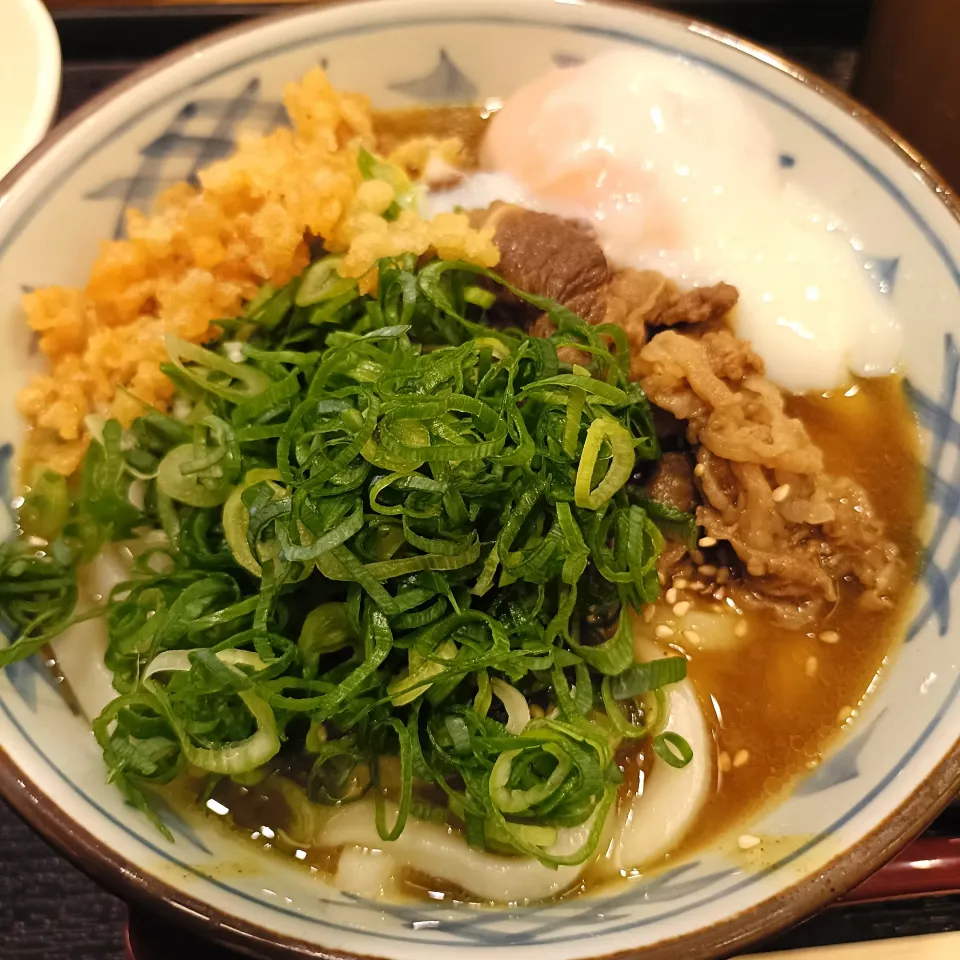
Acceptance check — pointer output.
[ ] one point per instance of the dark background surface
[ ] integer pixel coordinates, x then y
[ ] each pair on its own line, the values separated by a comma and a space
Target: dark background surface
51, 911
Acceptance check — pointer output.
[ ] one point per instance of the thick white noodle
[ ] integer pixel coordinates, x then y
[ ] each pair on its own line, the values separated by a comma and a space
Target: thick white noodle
80, 649
440, 851
670, 800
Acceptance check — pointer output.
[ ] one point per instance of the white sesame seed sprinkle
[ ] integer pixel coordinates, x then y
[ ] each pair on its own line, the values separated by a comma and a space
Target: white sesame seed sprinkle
707, 542
699, 470
747, 842
671, 596
682, 608
691, 636
741, 758
663, 631
781, 493
680, 583
811, 667
649, 612
830, 636
723, 762
707, 569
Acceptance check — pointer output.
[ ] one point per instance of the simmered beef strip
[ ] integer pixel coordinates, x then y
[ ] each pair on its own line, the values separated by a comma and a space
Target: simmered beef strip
640, 299
797, 530
547, 255
673, 483
561, 259
697, 305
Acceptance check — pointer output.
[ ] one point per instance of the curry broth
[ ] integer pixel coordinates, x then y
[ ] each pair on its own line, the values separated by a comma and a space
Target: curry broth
783, 694
466, 124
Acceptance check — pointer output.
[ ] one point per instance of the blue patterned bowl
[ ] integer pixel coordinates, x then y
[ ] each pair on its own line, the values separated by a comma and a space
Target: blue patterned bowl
887, 774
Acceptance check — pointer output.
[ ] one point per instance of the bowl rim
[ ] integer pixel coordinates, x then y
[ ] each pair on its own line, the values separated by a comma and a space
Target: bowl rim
49, 72
762, 920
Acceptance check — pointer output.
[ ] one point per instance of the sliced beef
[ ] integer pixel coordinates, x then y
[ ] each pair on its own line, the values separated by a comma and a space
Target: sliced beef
552, 257
632, 297
762, 486
673, 483
715, 382
638, 300
796, 530
697, 305
561, 259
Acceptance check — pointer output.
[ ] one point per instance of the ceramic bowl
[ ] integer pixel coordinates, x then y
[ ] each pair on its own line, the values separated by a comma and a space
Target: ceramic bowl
29, 77
887, 774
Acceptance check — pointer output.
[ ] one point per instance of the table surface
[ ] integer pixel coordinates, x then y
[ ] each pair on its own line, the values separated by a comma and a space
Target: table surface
48, 909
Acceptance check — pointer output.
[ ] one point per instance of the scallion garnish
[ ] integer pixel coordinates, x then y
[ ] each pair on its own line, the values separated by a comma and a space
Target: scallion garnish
384, 530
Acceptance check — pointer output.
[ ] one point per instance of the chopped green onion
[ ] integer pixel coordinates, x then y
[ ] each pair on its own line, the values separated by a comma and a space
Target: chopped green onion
673, 749
379, 532
320, 282
643, 677
621, 463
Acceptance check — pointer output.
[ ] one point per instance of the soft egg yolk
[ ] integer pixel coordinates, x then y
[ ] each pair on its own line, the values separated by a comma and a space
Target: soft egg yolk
549, 138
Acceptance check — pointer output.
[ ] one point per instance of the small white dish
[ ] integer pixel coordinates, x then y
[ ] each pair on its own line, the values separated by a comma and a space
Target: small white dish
29, 77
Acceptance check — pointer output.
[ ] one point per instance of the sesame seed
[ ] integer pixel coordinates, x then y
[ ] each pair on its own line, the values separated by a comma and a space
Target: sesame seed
723, 762
682, 608
723, 575
691, 636
671, 596
811, 667
649, 612
781, 493
830, 636
707, 542
680, 583
741, 758
663, 631
699, 470
845, 714
740, 630
707, 569
748, 842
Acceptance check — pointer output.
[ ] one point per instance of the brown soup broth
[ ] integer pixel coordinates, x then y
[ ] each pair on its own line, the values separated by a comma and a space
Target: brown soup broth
774, 703
467, 124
